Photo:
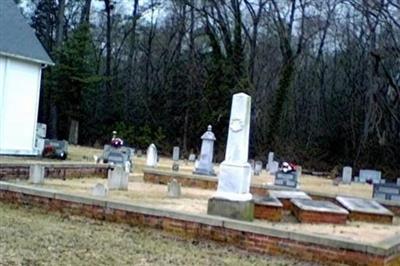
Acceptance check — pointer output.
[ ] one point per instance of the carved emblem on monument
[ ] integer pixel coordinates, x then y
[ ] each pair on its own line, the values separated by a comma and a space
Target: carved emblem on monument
236, 125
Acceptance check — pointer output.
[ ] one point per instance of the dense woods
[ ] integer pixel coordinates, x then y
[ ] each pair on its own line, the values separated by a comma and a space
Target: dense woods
324, 75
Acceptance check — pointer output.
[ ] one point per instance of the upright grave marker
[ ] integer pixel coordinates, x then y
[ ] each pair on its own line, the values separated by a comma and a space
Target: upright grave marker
273, 167
270, 160
151, 156
117, 178
258, 167
99, 190
346, 174
36, 174
175, 158
205, 165
233, 198
174, 189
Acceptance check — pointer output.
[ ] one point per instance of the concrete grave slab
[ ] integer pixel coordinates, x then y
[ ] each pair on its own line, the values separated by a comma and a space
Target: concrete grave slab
289, 194
318, 211
366, 210
286, 195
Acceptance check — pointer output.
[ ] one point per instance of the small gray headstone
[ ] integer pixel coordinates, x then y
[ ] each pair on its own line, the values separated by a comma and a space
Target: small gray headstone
299, 170
286, 179
41, 130
100, 190
398, 181
174, 189
175, 154
117, 178
139, 153
257, 167
273, 167
346, 174
270, 160
383, 181
36, 174
175, 166
192, 157
252, 164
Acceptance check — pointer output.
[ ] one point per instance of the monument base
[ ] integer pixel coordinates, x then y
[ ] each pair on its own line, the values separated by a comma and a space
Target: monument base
240, 210
199, 171
234, 178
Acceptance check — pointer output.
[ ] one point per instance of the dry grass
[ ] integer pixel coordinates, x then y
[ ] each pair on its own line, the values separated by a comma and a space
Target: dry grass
33, 237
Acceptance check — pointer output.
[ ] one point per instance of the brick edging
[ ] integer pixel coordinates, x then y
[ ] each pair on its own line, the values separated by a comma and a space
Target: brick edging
241, 234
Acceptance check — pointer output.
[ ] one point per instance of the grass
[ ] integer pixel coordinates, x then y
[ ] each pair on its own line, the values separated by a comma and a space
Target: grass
30, 236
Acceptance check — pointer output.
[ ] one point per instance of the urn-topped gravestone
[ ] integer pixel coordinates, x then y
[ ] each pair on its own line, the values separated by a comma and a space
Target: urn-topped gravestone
233, 198
205, 165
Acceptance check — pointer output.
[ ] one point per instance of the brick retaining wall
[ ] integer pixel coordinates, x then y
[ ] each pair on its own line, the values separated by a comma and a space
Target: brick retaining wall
244, 235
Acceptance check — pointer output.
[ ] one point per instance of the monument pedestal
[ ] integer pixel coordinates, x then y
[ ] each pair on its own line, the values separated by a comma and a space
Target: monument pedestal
200, 171
234, 178
234, 209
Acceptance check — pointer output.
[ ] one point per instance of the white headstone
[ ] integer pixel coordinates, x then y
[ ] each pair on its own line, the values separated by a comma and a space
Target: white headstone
205, 165
36, 174
174, 189
346, 174
270, 159
175, 154
117, 178
235, 172
100, 190
273, 167
257, 167
151, 159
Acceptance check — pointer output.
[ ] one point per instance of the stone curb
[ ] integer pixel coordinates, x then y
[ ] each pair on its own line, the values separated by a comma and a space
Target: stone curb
189, 176
81, 199
386, 247
54, 165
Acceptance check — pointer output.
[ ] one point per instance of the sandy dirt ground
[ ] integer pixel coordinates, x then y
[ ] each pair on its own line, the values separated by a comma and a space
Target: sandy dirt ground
195, 201
30, 236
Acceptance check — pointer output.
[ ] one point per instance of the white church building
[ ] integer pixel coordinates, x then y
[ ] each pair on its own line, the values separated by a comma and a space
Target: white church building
22, 58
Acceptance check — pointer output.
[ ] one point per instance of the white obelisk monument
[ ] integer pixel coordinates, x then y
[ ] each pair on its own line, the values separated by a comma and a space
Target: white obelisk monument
235, 172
